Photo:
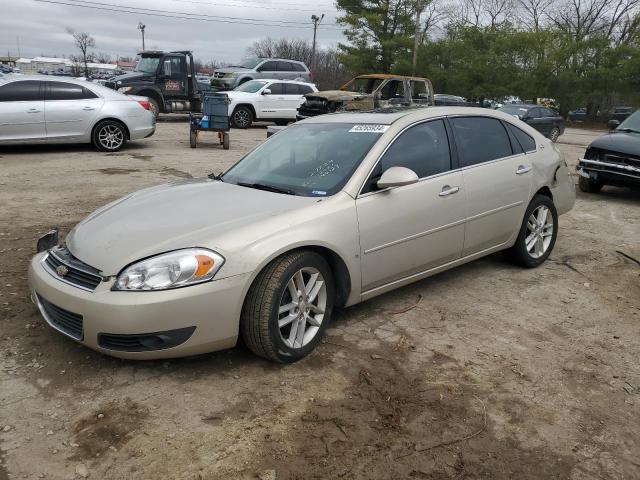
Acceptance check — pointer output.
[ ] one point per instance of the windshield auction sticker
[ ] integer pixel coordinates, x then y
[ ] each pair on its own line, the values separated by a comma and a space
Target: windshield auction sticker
369, 129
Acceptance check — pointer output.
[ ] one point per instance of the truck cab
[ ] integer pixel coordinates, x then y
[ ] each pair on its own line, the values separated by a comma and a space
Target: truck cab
167, 78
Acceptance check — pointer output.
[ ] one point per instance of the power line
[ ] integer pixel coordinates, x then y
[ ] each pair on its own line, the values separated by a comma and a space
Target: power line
179, 15
241, 4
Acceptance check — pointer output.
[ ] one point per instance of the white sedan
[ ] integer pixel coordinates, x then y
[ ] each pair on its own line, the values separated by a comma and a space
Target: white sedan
39, 109
267, 100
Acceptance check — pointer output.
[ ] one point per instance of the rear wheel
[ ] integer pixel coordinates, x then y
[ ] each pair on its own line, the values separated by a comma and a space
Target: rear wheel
242, 117
554, 134
288, 307
589, 186
537, 235
193, 139
109, 136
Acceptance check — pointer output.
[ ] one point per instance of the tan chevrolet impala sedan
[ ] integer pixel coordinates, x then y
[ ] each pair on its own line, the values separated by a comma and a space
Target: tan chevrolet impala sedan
328, 213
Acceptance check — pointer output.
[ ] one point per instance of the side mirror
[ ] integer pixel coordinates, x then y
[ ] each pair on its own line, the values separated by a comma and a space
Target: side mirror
397, 177
613, 124
266, 91
166, 68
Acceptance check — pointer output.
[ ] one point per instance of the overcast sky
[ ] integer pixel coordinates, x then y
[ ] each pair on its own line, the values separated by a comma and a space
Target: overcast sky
40, 28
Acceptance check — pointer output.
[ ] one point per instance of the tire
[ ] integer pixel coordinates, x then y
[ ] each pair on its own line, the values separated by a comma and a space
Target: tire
225, 141
268, 330
242, 117
155, 107
589, 186
282, 123
554, 134
193, 139
537, 253
109, 136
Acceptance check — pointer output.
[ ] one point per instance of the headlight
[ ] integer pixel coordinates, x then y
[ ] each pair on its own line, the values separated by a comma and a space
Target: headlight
230, 75
125, 89
170, 270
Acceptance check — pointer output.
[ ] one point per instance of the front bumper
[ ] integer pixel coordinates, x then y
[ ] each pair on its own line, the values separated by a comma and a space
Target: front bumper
213, 308
226, 82
609, 172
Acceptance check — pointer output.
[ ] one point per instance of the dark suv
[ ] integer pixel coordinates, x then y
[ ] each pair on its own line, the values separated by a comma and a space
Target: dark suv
547, 121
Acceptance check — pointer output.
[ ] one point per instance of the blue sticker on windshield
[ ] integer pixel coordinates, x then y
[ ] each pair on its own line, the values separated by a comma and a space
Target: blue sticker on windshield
318, 192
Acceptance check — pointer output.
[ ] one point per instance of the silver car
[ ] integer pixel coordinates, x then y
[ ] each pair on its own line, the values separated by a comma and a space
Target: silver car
330, 212
228, 78
39, 109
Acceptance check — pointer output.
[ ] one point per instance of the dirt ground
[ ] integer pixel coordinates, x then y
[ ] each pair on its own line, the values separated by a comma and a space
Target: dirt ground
486, 371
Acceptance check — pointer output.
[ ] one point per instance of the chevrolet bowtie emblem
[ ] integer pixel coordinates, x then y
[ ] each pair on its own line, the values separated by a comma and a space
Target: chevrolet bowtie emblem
61, 270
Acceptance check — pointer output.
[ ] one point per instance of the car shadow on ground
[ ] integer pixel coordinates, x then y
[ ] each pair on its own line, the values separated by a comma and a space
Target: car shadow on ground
56, 148
623, 195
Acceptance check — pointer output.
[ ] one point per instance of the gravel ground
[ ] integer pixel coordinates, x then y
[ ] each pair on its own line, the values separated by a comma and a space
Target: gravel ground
485, 371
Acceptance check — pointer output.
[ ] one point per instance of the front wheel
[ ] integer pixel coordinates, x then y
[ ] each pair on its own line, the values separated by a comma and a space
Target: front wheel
537, 235
589, 186
288, 307
242, 117
109, 136
554, 134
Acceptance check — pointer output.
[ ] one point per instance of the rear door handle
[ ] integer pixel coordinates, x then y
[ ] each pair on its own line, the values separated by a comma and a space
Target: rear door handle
522, 169
88, 108
447, 190
33, 110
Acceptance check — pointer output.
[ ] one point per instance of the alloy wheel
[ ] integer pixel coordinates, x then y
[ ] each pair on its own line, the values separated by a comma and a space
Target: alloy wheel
302, 307
555, 134
111, 137
539, 231
241, 118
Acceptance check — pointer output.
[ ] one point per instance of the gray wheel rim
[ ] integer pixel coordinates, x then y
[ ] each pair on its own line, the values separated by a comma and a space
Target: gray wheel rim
540, 228
110, 137
302, 307
555, 133
241, 118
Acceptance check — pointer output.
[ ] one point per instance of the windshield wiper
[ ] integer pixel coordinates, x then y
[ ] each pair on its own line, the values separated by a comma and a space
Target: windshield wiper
216, 176
266, 188
628, 130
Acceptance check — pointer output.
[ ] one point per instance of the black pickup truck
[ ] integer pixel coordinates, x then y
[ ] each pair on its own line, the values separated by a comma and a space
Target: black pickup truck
167, 78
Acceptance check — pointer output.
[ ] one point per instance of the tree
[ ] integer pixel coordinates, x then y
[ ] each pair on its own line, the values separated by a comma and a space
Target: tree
379, 32
84, 42
102, 57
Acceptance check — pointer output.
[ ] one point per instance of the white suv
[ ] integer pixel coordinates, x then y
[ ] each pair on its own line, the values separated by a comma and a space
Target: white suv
267, 100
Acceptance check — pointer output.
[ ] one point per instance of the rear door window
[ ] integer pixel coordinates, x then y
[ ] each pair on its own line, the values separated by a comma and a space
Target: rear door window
525, 140
67, 91
284, 66
394, 89
304, 89
21, 91
297, 67
480, 139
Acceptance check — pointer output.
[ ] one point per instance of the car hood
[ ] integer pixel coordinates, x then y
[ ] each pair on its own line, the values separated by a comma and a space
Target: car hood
168, 217
621, 142
233, 95
335, 95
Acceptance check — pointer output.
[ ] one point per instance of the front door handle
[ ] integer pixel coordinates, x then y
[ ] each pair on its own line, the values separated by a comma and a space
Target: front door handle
33, 110
447, 190
522, 169
88, 108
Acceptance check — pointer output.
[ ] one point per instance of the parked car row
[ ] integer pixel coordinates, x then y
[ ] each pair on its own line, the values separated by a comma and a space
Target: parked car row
545, 120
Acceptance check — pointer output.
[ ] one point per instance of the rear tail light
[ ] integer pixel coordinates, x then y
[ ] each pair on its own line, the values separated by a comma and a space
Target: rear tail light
310, 75
146, 105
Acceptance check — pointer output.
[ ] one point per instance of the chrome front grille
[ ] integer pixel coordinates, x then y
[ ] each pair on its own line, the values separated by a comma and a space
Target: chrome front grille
65, 267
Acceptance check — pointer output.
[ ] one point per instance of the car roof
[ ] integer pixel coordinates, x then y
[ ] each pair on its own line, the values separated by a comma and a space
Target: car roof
280, 59
389, 116
281, 80
95, 87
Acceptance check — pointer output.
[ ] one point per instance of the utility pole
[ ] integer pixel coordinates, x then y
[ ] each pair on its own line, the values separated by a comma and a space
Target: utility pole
420, 5
141, 27
316, 20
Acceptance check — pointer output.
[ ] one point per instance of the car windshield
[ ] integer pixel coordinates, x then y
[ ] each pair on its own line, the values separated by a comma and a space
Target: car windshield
313, 159
363, 85
250, 87
516, 110
631, 124
148, 64
250, 63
